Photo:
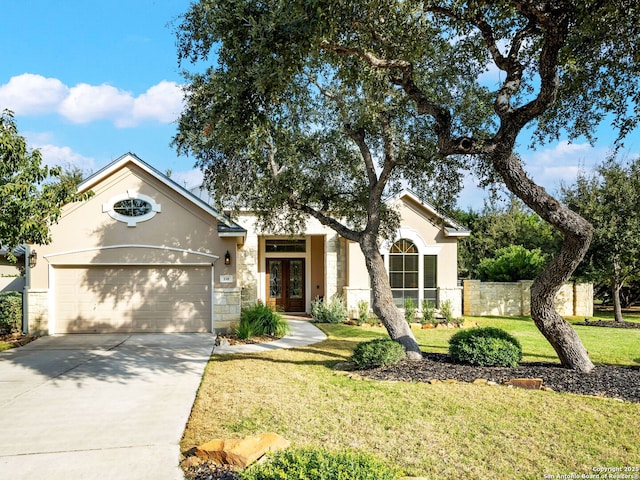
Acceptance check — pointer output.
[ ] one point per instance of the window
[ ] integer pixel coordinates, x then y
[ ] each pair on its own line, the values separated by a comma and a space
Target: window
131, 208
431, 279
404, 272
285, 246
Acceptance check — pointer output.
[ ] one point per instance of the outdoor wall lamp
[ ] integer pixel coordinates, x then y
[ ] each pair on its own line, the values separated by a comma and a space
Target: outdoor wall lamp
33, 259
227, 258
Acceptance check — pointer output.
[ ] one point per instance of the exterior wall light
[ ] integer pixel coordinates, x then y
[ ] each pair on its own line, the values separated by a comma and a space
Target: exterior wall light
33, 259
227, 258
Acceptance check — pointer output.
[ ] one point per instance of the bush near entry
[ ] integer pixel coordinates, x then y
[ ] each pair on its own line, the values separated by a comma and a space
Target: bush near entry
487, 347
259, 320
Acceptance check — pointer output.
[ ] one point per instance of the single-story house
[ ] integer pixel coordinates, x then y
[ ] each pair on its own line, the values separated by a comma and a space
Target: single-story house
146, 255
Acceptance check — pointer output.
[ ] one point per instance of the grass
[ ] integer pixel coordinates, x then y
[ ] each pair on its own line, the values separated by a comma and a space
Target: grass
433, 431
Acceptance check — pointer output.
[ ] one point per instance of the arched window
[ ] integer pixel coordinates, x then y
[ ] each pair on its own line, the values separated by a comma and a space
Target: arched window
404, 272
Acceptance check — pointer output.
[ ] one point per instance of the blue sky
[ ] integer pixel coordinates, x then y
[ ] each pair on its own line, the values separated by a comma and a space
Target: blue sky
89, 81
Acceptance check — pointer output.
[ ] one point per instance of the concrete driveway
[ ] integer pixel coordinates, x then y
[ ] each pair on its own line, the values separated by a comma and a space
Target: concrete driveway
98, 406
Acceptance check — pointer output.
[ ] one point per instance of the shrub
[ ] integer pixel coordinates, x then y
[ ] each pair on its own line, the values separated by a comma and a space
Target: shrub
428, 311
487, 346
10, 312
446, 309
377, 353
332, 311
409, 310
363, 311
259, 319
511, 264
320, 464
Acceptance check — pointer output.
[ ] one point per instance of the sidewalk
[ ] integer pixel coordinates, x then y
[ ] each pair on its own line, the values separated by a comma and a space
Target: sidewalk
303, 333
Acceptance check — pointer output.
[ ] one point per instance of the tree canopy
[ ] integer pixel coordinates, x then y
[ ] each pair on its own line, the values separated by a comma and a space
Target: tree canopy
319, 107
498, 226
610, 199
31, 193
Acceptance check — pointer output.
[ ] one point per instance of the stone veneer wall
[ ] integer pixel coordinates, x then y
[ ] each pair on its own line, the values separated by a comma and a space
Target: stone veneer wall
247, 269
333, 267
353, 295
38, 311
514, 298
227, 303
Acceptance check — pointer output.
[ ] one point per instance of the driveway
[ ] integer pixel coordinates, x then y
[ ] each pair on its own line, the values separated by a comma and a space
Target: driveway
98, 406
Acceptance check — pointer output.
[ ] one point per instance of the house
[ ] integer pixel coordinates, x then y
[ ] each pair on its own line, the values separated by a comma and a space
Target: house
146, 255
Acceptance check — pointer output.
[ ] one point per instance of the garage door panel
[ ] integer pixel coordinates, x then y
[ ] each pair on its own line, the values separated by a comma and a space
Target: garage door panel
134, 299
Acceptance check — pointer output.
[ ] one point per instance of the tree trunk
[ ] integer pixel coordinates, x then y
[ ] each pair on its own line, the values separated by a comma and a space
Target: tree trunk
617, 305
577, 234
383, 304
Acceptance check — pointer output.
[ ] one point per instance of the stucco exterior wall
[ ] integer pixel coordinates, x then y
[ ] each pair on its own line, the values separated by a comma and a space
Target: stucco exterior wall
514, 299
84, 229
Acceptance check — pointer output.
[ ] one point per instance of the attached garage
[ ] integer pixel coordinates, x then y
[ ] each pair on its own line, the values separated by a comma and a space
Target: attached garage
152, 299
141, 254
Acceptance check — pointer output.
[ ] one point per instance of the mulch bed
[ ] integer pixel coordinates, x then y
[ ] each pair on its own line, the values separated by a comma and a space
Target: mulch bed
17, 339
604, 381
610, 324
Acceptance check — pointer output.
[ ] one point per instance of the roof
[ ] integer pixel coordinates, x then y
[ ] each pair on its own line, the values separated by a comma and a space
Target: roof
226, 226
451, 228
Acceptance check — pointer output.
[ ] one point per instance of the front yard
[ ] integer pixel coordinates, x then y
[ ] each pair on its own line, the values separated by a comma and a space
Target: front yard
435, 431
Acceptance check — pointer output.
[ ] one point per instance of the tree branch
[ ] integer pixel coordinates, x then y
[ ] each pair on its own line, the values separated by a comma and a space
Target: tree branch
325, 220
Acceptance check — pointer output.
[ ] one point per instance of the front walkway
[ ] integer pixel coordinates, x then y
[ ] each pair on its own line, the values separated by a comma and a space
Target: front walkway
303, 333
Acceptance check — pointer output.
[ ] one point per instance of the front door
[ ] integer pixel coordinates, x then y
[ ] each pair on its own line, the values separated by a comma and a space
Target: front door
285, 284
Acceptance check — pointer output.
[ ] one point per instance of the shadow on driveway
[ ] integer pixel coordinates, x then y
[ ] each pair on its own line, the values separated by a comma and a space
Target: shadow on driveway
98, 406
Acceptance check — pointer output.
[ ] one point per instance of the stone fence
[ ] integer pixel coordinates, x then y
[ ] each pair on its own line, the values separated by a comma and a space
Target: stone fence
514, 299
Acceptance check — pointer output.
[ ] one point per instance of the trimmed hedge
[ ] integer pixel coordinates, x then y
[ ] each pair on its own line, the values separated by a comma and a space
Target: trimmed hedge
488, 347
320, 464
10, 312
377, 353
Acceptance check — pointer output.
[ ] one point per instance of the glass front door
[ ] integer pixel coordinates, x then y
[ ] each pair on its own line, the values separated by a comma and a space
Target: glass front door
285, 284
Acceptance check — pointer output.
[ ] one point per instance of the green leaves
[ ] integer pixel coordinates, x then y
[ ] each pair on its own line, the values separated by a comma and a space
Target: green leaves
31, 194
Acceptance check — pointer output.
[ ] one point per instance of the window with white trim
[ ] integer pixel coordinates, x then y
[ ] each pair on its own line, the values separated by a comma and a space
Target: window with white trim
412, 273
131, 208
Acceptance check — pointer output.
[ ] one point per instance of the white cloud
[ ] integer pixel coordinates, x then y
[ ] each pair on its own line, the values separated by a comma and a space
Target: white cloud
162, 102
53, 155
30, 94
86, 103
188, 178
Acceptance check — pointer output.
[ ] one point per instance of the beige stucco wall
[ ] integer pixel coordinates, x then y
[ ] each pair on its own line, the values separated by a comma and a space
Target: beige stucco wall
514, 299
83, 229
182, 233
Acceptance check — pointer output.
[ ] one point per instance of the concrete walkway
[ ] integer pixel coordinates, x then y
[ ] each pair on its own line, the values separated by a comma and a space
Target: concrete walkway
107, 406
302, 333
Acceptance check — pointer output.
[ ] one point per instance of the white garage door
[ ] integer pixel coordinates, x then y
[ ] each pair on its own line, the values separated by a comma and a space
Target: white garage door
132, 299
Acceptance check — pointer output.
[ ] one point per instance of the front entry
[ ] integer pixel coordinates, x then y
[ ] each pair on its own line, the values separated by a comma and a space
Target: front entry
285, 284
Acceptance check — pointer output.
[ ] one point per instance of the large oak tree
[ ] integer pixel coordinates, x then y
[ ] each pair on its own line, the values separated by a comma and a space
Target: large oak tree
321, 107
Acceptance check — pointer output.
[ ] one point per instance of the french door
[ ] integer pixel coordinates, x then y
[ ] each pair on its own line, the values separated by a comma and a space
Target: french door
285, 284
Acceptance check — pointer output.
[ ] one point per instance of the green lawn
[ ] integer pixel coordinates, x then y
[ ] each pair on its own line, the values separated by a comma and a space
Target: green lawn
435, 431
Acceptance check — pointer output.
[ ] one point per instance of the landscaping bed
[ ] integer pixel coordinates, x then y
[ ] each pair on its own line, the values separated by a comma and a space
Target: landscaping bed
610, 324
604, 381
